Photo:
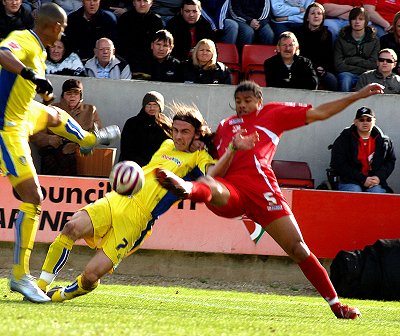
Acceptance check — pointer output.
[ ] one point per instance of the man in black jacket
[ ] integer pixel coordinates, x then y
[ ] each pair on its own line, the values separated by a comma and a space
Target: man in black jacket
163, 67
14, 16
363, 156
188, 28
288, 69
136, 29
88, 24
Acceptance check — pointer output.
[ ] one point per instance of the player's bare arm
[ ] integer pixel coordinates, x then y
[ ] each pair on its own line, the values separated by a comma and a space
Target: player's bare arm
240, 141
329, 109
9, 62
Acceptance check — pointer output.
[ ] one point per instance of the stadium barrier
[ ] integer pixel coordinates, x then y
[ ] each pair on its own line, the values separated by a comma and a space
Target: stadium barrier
330, 221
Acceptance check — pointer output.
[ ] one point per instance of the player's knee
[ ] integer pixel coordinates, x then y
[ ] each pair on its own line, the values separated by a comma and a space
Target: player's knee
28, 194
37, 198
299, 251
54, 118
71, 230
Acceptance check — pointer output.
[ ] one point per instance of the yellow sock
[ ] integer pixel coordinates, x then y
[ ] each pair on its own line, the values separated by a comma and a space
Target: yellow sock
56, 258
75, 289
26, 227
71, 130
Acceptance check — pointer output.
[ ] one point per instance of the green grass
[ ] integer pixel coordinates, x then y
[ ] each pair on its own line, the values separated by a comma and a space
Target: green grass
151, 310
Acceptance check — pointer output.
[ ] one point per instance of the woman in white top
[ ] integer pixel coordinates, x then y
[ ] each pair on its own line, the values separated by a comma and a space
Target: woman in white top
60, 61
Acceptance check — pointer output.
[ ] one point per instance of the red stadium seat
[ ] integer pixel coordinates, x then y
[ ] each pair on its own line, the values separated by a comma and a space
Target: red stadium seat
293, 174
253, 57
228, 54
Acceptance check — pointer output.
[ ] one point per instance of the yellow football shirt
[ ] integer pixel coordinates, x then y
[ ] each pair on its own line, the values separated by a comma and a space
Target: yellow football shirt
17, 93
130, 219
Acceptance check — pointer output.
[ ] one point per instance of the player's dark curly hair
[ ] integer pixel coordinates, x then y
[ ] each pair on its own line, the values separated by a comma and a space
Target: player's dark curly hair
251, 86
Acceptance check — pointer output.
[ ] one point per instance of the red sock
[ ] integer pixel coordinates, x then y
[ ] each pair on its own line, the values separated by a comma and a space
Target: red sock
318, 276
200, 192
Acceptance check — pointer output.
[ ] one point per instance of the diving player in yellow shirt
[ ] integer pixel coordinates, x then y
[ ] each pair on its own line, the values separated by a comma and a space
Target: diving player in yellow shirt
22, 70
116, 225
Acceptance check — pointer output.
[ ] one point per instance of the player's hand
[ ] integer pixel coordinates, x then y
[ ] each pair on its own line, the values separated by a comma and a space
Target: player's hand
241, 141
47, 99
55, 141
197, 145
370, 90
43, 85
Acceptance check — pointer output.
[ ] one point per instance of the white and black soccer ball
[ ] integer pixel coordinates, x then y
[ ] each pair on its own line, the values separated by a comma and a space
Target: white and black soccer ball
127, 178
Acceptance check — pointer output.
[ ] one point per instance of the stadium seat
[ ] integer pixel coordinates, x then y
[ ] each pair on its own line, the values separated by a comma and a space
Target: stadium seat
253, 57
293, 174
228, 54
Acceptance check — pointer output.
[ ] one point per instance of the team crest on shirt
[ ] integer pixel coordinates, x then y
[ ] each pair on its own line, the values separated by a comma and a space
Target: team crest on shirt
14, 45
22, 160
235, 121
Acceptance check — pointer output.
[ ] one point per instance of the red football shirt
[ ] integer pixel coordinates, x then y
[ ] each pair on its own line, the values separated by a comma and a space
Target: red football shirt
252, 168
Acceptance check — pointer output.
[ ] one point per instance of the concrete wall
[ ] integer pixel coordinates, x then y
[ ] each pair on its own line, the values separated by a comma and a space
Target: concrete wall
116, 101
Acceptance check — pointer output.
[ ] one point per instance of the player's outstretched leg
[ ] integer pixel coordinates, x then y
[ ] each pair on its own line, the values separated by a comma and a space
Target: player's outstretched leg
104, 136
173, 183
318, 276
69, 128
195, 191
60, 294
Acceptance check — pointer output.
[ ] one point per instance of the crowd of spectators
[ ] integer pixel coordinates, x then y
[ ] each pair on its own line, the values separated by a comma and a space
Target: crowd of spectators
156, 38
337, 45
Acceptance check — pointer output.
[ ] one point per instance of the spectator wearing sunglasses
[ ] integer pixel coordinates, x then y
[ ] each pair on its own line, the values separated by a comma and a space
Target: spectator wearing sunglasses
363, 156
384, 73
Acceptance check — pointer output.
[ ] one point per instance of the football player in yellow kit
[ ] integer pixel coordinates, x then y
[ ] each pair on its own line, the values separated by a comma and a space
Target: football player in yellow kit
116, 225
22, 70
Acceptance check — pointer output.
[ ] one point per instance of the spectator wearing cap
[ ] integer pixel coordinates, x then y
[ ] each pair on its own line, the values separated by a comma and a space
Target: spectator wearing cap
57, 154
383, 74
105, 64
144, 133
363, 156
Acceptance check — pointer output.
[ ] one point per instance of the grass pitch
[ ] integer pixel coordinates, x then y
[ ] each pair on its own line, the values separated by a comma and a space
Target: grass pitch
155, 310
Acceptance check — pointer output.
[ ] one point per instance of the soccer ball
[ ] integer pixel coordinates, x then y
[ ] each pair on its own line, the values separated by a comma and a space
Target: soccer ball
127, 178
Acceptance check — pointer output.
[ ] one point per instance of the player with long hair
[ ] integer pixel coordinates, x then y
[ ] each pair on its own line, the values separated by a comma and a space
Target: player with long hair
116, 225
